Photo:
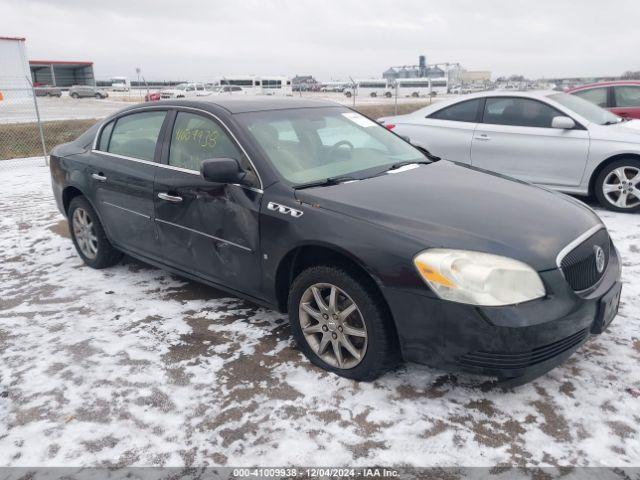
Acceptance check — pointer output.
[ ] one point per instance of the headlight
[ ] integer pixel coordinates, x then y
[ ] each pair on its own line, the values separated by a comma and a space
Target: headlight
478, 278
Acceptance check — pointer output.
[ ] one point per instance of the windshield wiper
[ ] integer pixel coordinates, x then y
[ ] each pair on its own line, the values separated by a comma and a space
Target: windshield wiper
397, 165
325, 182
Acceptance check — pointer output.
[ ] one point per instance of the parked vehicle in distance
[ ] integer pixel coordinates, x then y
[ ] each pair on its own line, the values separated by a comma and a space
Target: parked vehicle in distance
263, 85
120, 84
376, 253
548, 138
226, 90
152, 97
367, 88
621, 97
85, 91
412, 87
333, 87
184, 90
48, 91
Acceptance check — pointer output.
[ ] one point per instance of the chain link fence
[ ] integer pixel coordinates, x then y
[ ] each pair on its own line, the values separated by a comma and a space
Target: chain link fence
21, 133
34, 120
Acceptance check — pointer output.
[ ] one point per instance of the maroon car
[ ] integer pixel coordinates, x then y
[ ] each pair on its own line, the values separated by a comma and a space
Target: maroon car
152, 97
621, 97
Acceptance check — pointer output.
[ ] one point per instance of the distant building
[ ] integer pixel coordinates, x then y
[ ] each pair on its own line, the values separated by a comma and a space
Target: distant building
479, 76
304, 83
61, 73
450, 71
14, 70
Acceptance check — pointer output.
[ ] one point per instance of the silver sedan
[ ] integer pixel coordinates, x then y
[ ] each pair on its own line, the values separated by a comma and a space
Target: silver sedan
548, 138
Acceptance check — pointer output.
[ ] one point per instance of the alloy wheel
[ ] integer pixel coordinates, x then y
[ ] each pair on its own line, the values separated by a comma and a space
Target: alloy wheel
333, 326
620, 187
85, 233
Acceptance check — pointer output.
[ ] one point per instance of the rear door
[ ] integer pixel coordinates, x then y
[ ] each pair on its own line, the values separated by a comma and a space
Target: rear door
446, 133
600, 96
515, 138
626, 101
207, 229
123, 168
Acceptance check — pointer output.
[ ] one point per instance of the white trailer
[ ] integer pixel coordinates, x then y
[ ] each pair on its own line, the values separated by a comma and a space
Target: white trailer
264, 85
421, 87
368, 88
15, 75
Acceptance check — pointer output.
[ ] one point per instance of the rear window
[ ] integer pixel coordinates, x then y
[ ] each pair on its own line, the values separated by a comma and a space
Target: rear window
136, 135
460, 112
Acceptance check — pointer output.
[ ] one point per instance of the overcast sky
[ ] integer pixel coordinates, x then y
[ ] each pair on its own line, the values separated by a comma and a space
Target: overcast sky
204, 39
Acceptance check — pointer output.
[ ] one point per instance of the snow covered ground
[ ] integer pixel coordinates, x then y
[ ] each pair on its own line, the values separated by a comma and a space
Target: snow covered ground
134, 366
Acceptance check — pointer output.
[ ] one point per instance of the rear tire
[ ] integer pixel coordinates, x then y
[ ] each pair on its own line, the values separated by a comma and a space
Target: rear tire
75, 96
89, 237
348, 94
617, 186
344, 324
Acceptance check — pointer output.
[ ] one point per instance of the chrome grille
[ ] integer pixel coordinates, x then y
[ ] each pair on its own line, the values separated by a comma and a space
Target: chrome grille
579, 265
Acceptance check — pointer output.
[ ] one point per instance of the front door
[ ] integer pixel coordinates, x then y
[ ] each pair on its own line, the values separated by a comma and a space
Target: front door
515, 138
123, 168
207, 229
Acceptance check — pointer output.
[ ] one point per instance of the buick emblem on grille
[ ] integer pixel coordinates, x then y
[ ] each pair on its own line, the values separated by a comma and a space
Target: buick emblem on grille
600, 258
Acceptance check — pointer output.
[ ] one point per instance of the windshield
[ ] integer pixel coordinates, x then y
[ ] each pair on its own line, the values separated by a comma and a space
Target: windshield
181, 86
311, 144
586, 109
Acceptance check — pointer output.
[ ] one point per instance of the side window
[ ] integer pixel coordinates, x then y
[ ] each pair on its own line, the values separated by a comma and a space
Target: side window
136, 135
627, 96
521, 112
103, 144
460, 112
196, 138
594, 95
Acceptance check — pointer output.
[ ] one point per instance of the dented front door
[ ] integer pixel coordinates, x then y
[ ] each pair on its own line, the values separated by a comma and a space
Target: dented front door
209, 229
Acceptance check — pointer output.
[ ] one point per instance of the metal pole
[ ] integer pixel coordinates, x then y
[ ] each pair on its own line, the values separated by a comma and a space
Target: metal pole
395, 108
35, 102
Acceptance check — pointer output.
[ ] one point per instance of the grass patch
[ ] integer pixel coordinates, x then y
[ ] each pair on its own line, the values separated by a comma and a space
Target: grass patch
385, 110
19, 140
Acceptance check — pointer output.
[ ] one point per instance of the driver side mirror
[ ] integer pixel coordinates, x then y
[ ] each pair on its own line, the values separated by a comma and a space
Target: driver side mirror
563, 123
222, 170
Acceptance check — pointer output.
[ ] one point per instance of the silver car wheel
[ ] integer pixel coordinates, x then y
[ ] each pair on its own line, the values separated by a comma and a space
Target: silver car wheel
333, 326
620, 187
84, 233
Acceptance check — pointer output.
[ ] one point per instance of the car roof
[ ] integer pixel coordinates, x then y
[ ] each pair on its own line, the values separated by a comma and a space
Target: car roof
253, 104
612, 83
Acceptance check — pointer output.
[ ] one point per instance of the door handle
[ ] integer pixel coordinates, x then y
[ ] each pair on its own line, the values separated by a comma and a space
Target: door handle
483, 137
99, 177
169, 198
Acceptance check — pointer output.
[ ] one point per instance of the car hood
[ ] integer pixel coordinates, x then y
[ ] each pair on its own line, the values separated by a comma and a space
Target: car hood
628, 131
454, 206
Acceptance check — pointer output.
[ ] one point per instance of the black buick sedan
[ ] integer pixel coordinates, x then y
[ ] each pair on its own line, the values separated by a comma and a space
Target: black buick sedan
377, 253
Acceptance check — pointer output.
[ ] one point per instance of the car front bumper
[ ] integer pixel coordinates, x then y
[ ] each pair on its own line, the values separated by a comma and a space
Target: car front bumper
513, 342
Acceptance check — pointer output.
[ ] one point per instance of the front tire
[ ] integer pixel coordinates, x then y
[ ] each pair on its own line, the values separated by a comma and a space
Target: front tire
617, 186
342, 324
89, 237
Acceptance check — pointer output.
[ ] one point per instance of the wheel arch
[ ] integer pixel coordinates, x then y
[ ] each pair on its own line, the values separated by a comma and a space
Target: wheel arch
312, 254
603, 165
69, 193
